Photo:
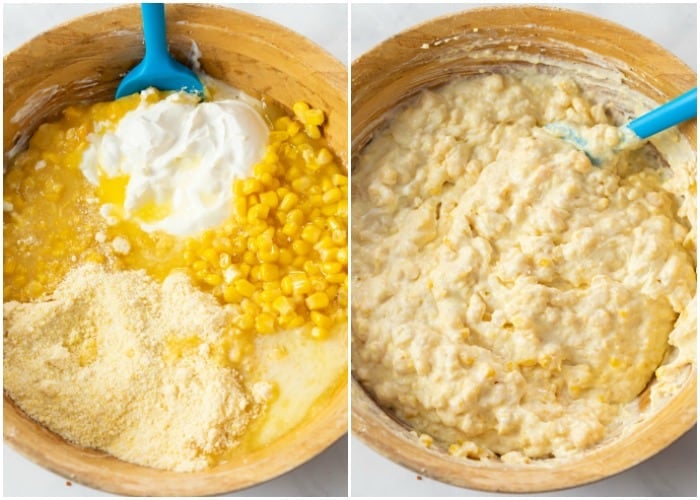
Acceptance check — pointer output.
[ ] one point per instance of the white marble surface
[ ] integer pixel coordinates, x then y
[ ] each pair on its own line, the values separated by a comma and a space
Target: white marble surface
326, 475
672, 472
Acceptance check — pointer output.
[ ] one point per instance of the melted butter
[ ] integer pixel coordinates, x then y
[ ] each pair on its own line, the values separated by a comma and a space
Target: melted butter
305, 375
113, 189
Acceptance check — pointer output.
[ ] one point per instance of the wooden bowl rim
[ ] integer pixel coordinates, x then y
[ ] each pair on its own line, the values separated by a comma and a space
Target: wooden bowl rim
93, 468
396, 441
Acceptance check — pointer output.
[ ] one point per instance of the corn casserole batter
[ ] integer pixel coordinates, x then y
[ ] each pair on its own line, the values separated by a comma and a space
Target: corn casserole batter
510, 299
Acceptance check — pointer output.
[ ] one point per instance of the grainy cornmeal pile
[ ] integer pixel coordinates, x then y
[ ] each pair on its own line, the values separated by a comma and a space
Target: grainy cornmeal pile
129, 388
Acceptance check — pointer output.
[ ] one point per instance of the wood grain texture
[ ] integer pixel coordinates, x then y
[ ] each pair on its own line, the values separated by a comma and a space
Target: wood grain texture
83, 61
401, 66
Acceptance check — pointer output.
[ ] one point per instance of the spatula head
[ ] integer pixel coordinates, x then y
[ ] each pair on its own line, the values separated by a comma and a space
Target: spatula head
163, 74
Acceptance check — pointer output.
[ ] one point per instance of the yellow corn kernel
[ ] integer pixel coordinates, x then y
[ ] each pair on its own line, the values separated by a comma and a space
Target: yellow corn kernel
300, 283
291, 229
259, 211
318, 300
269, 198
269, 181
312, 131
332, 290
295, 216
343, 296
342, 208
251, 186
337, 278
267, 298
311, 269
314, 117
615, 362
276, 136
293, 173
244, 287
321, 320
265, 323
324, 157
296, 321
286, 285
302, 184
224, 260
340, 180
293, 129
213, 279
241, 206
210, 256
311, 233
301, 247
319, 333
339, 237
245, 321
255, 274
316, 200
334, 224
269, 272
332, 196
271, 157
257, 227
300, 108
282, 123
331, 268
328, 254
283, 305
326, 184
286, 257
289, 201
231, 295
328, 210
342, 256
312, 166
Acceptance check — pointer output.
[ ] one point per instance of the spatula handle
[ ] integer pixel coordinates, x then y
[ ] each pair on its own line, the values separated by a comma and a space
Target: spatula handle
153, 15
672, 113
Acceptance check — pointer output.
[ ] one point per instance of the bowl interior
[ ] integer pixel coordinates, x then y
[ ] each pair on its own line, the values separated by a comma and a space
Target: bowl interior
83, 61
458, 45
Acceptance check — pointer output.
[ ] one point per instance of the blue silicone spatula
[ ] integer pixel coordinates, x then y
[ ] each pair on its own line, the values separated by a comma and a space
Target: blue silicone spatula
158, 69
672, 113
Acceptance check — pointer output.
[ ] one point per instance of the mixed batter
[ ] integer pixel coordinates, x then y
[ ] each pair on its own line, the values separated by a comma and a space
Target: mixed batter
509, 298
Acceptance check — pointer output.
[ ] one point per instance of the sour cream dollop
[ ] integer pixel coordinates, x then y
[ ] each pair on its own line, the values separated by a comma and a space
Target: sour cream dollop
179, 159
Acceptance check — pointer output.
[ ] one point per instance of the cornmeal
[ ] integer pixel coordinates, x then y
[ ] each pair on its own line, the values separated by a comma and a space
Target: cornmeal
509, 298
118, 362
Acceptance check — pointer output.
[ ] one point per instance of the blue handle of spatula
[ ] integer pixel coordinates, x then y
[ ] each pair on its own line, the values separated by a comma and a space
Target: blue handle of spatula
153, 15
672, 113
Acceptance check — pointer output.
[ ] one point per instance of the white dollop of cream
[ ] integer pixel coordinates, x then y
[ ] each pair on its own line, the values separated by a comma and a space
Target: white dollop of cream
179, 154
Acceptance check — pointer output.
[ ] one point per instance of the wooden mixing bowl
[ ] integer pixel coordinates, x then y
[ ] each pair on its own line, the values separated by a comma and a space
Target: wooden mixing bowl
442, 49
83, 61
